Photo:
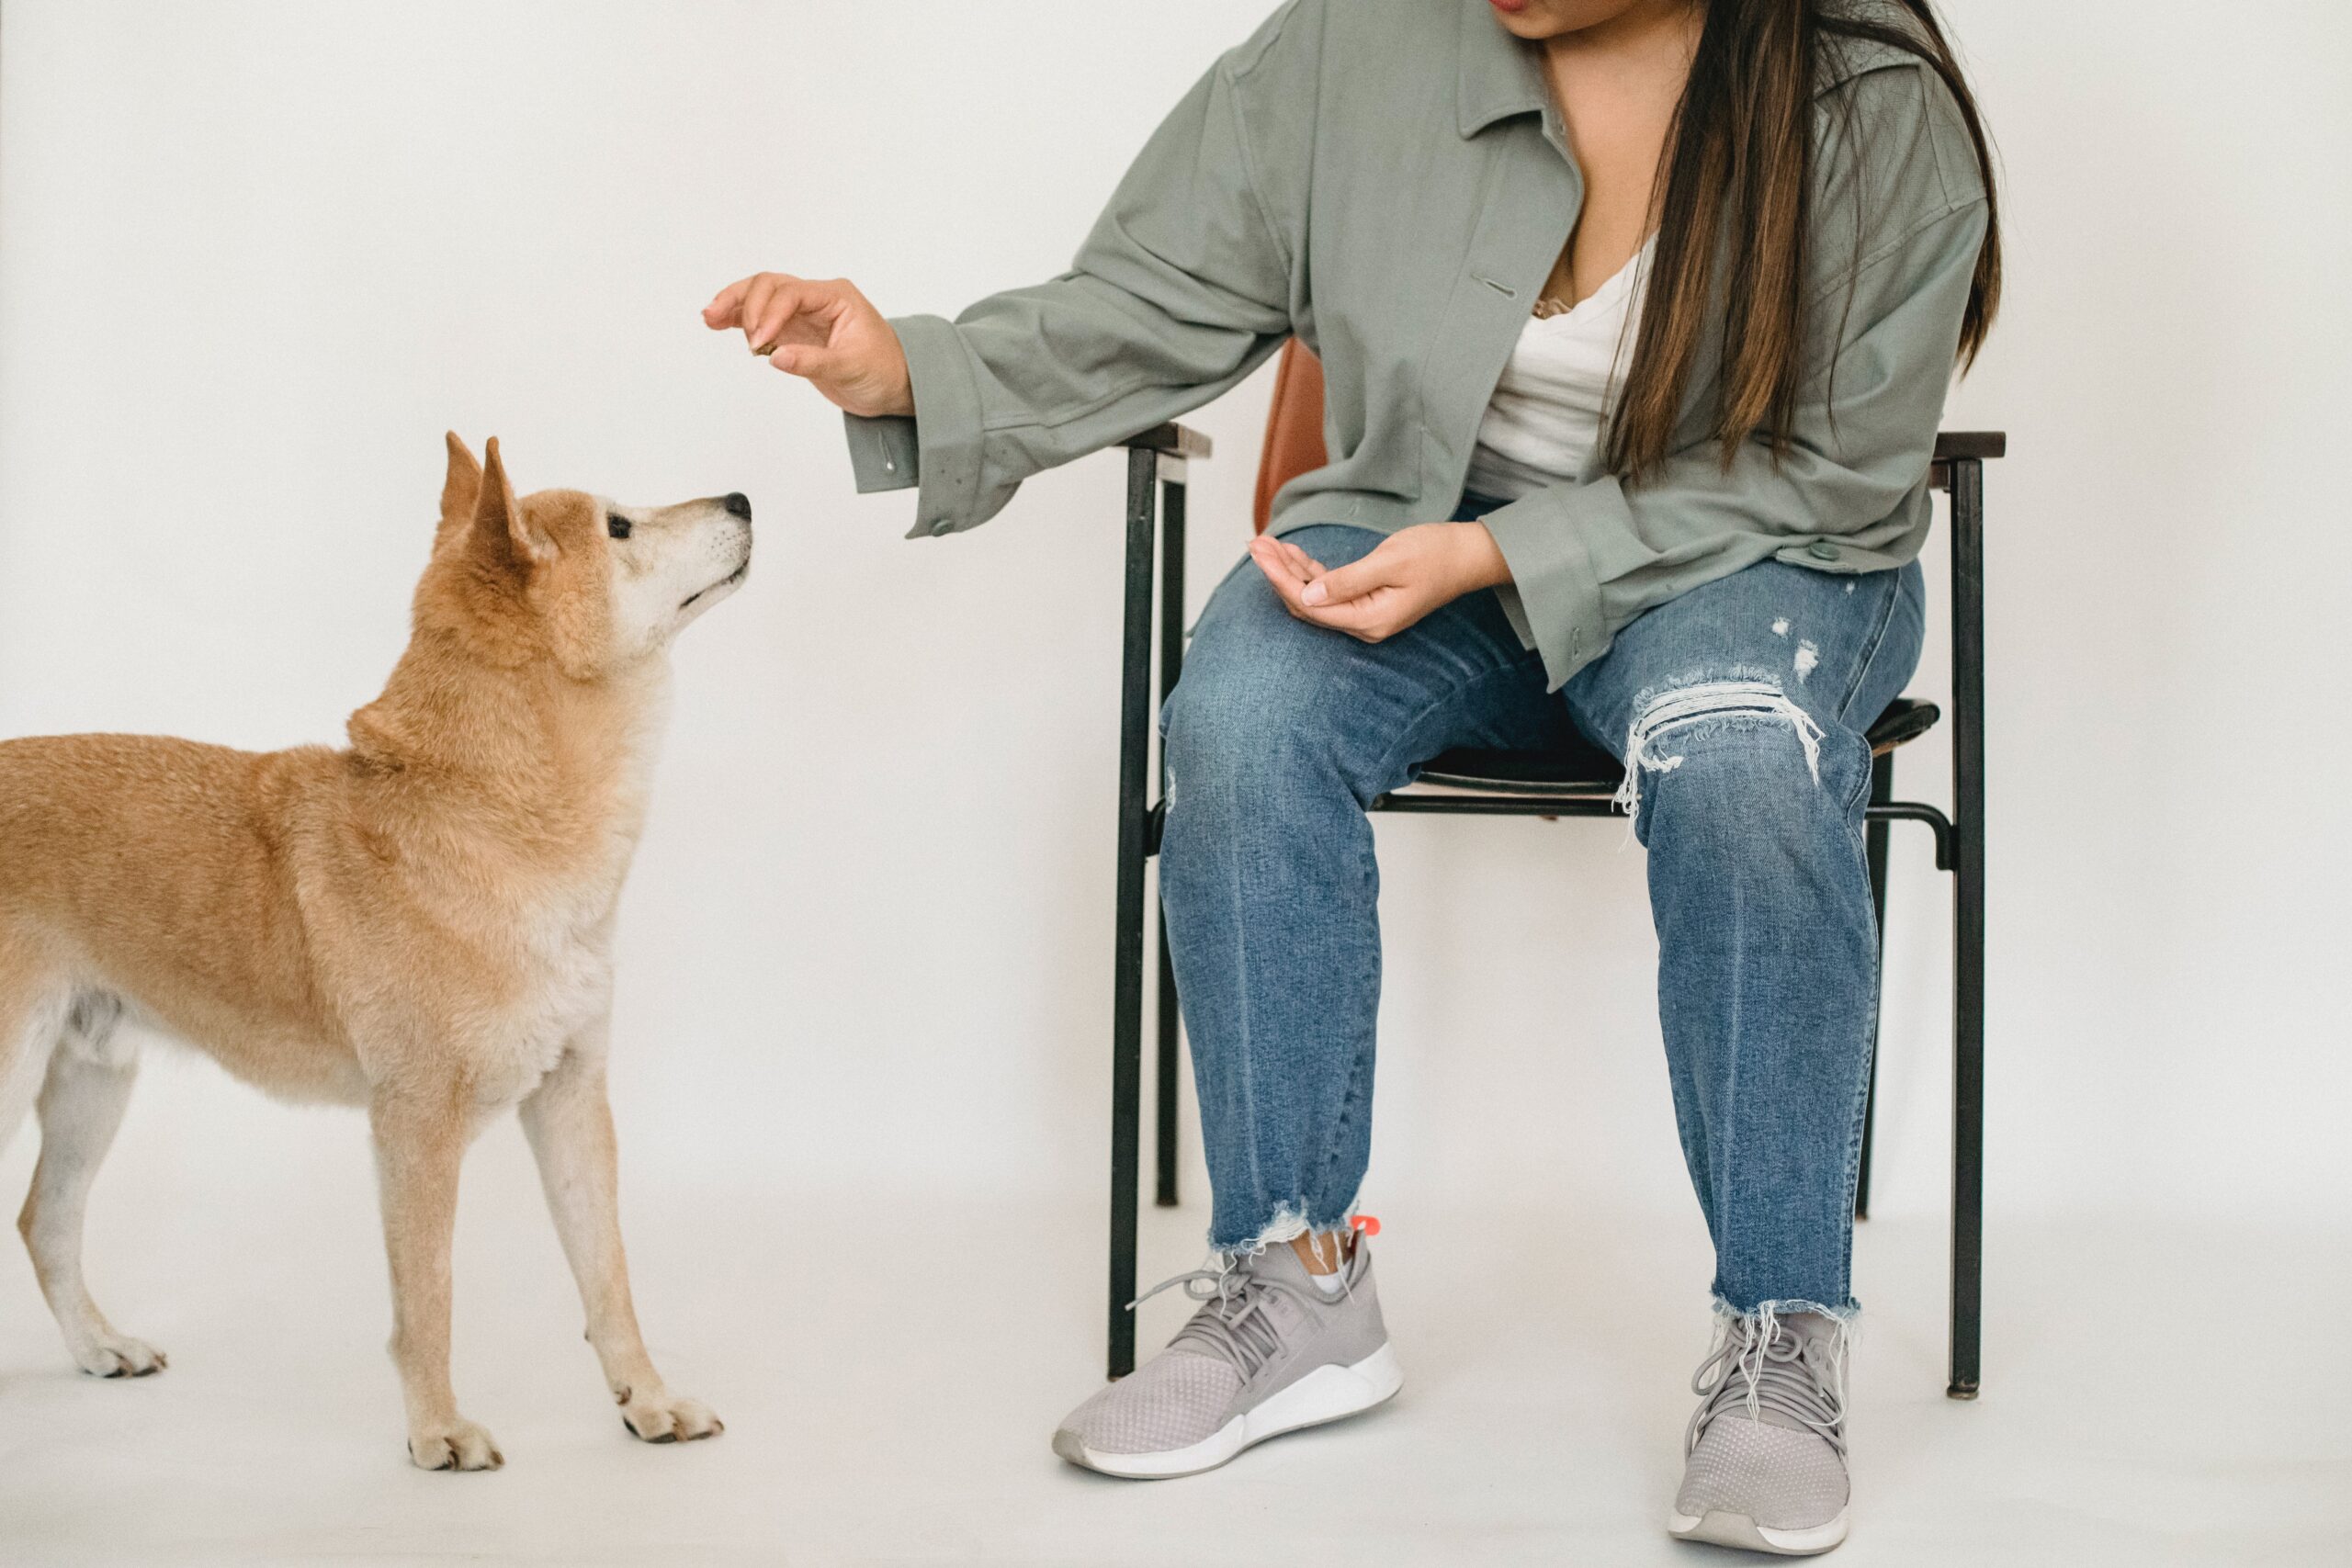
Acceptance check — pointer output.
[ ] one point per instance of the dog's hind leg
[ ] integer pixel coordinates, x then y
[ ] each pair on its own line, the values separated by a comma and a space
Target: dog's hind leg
570, 1123
81, 1105
32, 1015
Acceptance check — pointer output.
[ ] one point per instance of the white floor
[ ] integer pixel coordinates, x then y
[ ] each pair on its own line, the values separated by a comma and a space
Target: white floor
889, 1370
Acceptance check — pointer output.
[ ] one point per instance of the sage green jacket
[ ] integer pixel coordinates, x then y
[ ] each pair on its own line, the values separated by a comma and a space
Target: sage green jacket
1390, 181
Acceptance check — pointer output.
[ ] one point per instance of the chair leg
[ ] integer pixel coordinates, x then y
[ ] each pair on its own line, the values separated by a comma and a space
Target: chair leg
1165, 1077
1874, 854
1164, 1106
1126, 990
1967, 1131
1968, 925
1172, 666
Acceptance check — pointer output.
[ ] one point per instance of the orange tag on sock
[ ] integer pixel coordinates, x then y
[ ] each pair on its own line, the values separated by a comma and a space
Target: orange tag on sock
1367, 1224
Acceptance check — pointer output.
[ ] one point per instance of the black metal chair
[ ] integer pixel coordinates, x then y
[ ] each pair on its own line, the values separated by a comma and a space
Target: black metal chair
1579, 782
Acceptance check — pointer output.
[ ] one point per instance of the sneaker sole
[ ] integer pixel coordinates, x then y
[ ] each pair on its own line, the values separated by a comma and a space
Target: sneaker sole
1328, 1394
1738, 1529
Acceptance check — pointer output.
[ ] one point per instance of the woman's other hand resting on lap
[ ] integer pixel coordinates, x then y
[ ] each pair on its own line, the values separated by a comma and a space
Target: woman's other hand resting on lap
1414, 571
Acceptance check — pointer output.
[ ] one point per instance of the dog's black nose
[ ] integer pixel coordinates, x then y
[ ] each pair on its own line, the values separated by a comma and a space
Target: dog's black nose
738, 504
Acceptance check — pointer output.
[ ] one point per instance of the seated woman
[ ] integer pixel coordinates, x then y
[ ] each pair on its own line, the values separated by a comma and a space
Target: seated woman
1637, 317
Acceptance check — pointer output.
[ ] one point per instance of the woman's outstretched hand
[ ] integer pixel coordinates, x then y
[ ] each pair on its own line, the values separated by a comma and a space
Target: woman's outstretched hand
825, 331
1412, 572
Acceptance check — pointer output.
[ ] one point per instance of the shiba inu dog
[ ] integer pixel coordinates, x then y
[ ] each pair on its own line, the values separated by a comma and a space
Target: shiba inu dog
420, 923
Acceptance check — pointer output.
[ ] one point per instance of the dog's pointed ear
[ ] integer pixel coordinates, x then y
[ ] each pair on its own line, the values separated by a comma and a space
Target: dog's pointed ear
458, 492
498, 524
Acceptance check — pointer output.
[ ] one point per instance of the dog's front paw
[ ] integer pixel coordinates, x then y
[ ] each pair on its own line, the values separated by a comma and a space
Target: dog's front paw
120, 1356
456, 1444
661, 1416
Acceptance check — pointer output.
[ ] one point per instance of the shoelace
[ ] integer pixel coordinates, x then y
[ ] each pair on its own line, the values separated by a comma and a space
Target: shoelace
1780, 1369
1232, 1322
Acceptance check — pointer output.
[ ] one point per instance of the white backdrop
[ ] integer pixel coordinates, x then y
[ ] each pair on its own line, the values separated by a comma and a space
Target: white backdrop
255, 258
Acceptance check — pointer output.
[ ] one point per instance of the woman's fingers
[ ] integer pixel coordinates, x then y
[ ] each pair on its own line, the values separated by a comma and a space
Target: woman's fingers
1280, 574
821, 329
755, 304
1277, 570
1367, 614
1280, 566
722, 312
761, 304
766, 304
765, 327
1404, 578
1370, 617
1341, 584
813, 360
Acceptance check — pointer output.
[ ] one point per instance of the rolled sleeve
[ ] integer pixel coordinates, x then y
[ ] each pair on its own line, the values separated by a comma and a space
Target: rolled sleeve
947, 421
883, 452
1554, 597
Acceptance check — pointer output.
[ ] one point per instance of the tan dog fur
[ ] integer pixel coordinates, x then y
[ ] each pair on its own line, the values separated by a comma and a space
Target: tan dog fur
420, 924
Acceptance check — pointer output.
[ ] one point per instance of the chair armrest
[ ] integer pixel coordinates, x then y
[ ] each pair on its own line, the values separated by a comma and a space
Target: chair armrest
1950, 444
1955, 445
1175, 440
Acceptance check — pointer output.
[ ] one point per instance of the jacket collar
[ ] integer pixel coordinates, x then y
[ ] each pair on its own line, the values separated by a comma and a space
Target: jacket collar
1499, 77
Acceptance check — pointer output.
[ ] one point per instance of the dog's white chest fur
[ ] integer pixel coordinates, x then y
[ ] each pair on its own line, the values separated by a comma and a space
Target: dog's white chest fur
567, 986
565, 944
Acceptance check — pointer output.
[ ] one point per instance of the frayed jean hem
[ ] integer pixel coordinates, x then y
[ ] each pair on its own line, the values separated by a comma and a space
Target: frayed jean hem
1788, 1307
1290, 1222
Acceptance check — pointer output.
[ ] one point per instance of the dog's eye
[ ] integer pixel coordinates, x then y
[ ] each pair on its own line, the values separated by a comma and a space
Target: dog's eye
617, 526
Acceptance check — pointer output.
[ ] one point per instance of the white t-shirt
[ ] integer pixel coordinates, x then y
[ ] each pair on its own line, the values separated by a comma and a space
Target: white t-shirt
1558, 386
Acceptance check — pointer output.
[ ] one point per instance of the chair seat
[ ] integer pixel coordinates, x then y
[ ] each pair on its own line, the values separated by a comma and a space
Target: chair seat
1584, 771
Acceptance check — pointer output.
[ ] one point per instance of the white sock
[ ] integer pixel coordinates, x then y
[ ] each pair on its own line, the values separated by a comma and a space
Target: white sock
1331, 1285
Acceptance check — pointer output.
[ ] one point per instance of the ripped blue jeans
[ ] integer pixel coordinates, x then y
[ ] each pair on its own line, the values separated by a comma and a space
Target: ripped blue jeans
1742, 704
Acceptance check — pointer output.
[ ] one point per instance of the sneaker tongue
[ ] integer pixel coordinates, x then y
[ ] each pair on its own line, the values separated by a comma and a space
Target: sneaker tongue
1244, 1334
1806, 1328
1279, 1261
1810, 1325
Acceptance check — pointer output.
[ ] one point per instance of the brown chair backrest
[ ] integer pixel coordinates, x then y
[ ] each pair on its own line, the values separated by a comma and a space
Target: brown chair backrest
1294, 426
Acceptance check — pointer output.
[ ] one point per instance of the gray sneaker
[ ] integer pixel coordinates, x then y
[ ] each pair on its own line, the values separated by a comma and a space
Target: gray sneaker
1267, 1353
1767, 1446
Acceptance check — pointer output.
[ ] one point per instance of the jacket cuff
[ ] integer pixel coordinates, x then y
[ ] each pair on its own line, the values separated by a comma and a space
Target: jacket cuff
946, 424
883, 452
1551, 571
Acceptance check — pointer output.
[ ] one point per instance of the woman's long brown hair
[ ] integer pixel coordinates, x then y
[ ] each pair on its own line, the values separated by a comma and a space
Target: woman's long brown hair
1736, 184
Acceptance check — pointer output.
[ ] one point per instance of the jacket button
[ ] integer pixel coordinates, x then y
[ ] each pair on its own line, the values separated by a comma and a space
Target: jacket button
941, 528
1822, 549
